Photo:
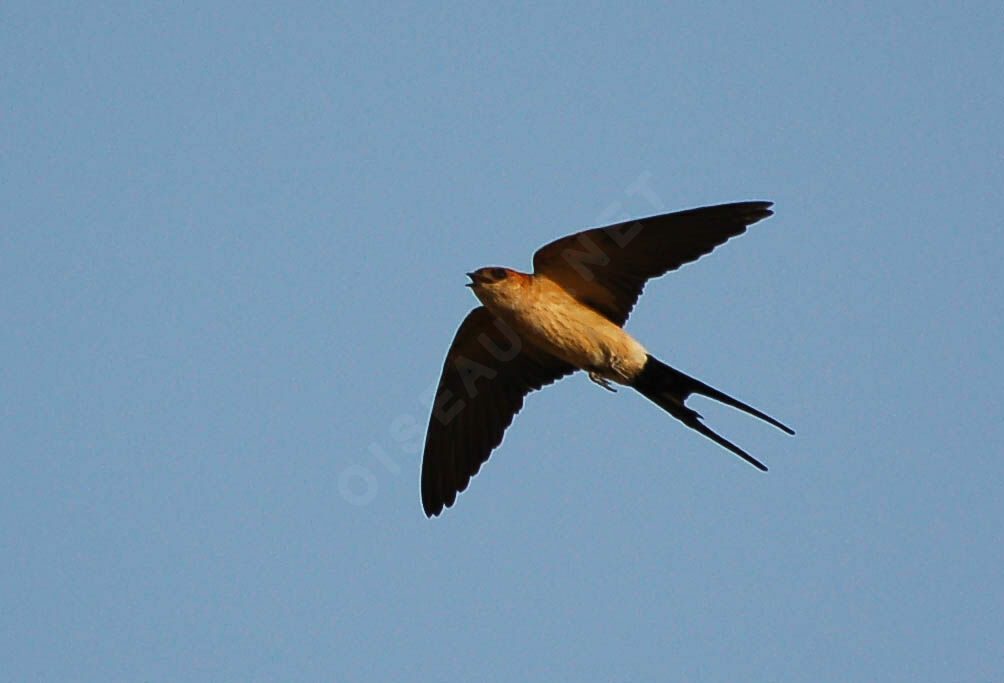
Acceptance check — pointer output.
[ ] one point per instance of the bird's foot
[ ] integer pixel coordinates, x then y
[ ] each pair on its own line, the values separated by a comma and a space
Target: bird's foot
602, 381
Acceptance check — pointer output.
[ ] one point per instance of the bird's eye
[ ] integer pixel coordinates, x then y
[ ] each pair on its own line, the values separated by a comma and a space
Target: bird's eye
497, 273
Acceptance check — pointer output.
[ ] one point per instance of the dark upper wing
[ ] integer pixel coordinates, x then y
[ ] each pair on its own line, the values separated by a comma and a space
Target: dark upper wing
488, 371
606, 268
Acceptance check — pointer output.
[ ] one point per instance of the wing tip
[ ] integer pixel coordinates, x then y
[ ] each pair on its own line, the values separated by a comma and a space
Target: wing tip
758, 210
432, 508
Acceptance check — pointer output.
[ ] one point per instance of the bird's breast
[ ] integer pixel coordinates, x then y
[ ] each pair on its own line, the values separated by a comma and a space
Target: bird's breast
556, 322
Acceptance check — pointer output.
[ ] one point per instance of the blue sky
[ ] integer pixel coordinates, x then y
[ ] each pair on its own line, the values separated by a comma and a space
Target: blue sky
233, 247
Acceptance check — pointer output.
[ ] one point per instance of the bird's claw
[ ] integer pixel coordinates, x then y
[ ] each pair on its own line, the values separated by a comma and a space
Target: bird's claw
602, 381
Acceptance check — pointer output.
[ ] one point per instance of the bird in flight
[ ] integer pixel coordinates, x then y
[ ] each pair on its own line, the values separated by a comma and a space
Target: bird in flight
568, 315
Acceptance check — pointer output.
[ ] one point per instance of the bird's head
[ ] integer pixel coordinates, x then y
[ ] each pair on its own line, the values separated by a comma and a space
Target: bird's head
495, 286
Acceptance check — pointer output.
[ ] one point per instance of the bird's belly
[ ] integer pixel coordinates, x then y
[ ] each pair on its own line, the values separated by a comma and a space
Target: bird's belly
583, 338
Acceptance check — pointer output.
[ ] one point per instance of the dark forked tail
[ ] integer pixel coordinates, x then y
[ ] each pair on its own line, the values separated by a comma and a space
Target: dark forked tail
669, 388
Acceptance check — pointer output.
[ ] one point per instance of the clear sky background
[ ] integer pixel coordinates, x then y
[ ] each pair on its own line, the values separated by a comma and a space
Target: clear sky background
233, 239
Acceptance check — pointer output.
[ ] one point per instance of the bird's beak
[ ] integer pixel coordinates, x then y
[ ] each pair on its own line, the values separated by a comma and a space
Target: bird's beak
473, 281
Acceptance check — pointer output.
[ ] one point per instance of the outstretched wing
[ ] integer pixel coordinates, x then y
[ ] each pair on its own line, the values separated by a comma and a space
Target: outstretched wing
488, 371
606, 268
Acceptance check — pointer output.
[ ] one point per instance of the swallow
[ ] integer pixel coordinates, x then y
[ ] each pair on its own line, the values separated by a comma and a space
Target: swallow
532, 329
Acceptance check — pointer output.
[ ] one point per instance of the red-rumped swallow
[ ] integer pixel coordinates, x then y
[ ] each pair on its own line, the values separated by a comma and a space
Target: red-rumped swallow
533, 329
